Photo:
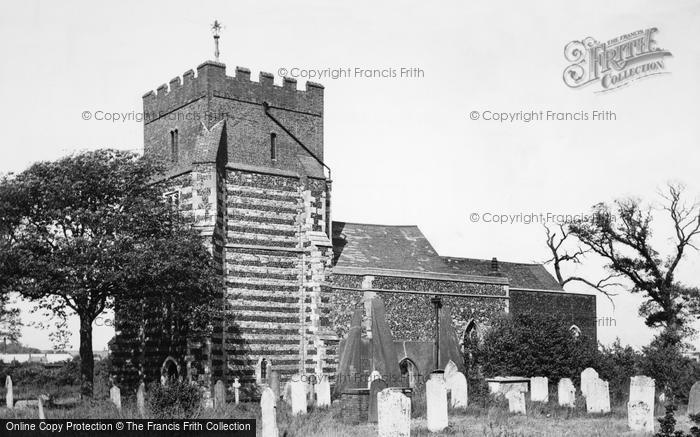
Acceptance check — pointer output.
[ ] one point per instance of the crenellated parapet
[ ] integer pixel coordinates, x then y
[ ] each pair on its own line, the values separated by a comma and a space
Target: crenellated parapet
211, 81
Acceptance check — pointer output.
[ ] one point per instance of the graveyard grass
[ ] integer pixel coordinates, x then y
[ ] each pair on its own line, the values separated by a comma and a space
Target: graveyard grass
487, 420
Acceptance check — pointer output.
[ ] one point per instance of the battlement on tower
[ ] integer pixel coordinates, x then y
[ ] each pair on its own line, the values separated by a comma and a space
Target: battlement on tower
211, 81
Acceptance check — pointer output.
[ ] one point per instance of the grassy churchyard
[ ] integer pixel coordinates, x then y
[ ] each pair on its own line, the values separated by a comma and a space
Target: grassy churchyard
487, 417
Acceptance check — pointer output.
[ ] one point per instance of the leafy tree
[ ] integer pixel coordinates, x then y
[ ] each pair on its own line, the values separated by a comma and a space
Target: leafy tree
533, 344
621, 235
92, 227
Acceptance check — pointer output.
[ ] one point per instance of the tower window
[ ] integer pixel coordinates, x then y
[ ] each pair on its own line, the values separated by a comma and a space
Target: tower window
174, 146
273, 146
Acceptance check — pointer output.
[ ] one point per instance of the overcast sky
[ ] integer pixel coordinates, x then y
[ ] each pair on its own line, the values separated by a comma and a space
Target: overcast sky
402, 150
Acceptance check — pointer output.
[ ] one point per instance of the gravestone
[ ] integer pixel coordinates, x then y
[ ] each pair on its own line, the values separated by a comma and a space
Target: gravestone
268, 407
374, 388
219, 395
516, 402
237, 389
42, 416
297, 389
116, 397
323, 393
450, 370
372, 376
598, 398
141, 400
9, 395
457, 387
640, 408
566, 393
694, 399
436, 400
539, 389
393, 414
274, 383
587, 377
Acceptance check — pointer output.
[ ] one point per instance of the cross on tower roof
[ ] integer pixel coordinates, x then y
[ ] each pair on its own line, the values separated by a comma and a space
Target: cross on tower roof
216, 28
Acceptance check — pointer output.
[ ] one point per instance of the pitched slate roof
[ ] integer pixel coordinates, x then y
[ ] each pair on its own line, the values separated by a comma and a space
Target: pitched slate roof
383, 247
406, 248
520, 275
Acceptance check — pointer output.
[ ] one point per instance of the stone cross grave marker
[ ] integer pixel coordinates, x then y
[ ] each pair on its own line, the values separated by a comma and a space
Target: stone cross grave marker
393, 414
237, 389
436, 400
268, 407
566, 393
640, 408
374, 388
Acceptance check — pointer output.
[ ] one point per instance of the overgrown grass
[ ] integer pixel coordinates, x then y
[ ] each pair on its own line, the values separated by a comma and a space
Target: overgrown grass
490, 419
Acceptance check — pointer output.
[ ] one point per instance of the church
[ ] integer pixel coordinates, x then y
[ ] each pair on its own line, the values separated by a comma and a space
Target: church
246, 163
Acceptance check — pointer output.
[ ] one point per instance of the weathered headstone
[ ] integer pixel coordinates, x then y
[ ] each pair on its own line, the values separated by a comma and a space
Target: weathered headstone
323, 392
374, 388
587, 377
539, 389
219, 395
9, 395
566, 393
694, 399
516, 402
450, 370
394, 414
436, 402
298, 395
141, 400
42, 416
598, 398
116, 397
275, 383
640, 408
457, 386
268, 407
372, 376
237, 389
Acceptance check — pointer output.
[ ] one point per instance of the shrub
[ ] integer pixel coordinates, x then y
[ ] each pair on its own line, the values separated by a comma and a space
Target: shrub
178, 399
674, 373
533, 344
616, 364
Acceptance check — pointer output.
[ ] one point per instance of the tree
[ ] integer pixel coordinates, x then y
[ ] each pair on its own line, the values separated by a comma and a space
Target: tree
533, 343
91, 227
621, 235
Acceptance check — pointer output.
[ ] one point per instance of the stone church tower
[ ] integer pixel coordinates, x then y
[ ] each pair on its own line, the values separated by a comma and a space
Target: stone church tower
246, 160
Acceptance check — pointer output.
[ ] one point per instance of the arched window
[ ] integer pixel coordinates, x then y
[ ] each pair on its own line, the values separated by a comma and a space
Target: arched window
409, 371
169, 371
174, 146
263, 370
470, 340
575, 331
273, 146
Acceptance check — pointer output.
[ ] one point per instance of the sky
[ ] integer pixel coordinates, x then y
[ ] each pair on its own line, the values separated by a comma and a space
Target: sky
404, 150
